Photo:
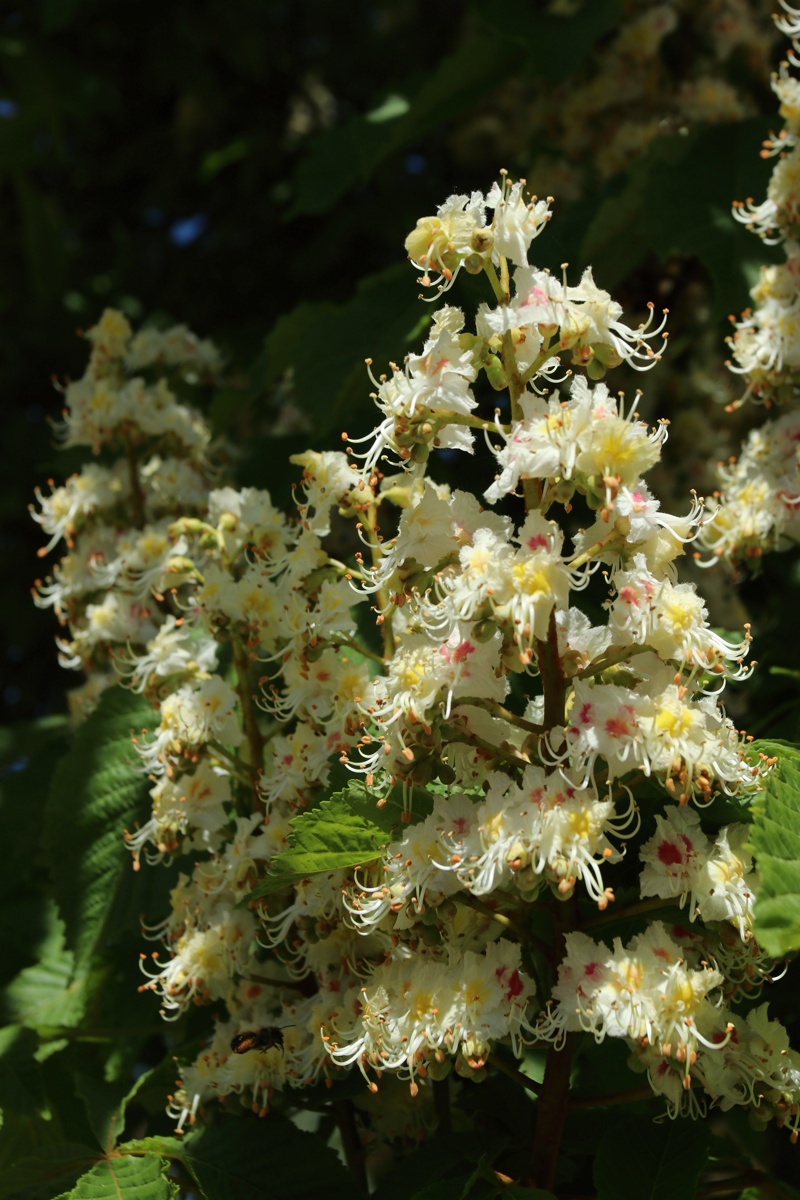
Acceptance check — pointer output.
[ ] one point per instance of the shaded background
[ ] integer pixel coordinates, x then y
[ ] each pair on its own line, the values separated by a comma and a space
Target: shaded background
252, 169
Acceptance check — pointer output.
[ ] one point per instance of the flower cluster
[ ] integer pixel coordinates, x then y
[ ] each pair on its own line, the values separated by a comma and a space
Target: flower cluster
122, 560
537, 697
660, 994
759, 505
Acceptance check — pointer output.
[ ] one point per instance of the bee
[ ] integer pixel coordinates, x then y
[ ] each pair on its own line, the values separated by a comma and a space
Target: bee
257, 1039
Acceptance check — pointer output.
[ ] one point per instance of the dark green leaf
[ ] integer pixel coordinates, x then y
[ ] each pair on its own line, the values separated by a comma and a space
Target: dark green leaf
27, 1122
48, 1172
347, 156
97, 791
640, 1160
247, 1159
332, 385
105, 1108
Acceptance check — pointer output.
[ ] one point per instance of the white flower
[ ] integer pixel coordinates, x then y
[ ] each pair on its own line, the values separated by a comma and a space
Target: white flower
411, 1009
674, 857
728, 881
198, 712
441, 243
645, 993
247, 518
516, 223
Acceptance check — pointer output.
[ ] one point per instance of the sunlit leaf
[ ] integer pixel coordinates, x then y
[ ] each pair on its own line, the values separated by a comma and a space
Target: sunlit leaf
775, 839
139, 1177
345, 831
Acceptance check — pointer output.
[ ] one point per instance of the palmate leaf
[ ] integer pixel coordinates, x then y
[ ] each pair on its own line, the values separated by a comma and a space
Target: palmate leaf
775, 841
105, 1108
97, 792
347, 830
27, 1120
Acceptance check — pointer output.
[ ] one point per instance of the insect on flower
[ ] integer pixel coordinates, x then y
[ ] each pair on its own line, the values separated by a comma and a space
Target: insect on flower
261, 1039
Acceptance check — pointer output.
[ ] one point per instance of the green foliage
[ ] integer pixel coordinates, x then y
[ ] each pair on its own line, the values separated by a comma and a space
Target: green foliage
237, 1160
331, 386
348, 830
775, 839
653, 214
98, 790
140, 1178
44, 1175
349, 154
47, 996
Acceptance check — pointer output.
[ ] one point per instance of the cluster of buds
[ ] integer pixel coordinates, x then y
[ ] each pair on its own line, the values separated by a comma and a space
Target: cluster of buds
759, 504
534, 741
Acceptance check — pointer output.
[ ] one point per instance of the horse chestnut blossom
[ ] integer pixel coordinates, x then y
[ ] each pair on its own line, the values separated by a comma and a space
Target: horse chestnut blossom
512, 692
758, 507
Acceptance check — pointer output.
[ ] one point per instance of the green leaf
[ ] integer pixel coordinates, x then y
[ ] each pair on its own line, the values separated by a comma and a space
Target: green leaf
248, 1159
28, 753
348, 155
640, 1160
378, 321
556, 45
27, 1119
775, 841
123, 1175
48, 1172
393, 106
345, 831
650, 212
48, 996
97, 791
105, 1108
